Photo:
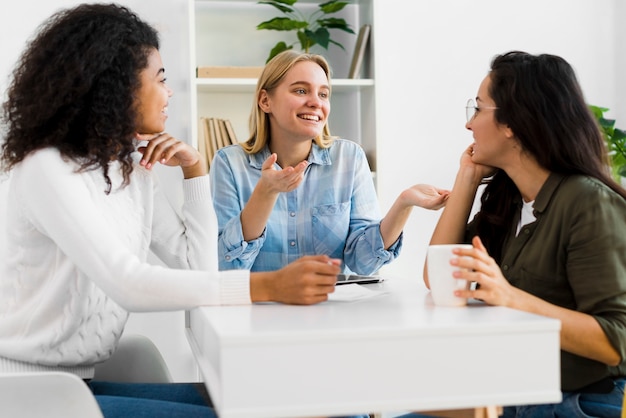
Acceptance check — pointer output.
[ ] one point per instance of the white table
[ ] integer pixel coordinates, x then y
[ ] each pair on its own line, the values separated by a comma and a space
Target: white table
393, 352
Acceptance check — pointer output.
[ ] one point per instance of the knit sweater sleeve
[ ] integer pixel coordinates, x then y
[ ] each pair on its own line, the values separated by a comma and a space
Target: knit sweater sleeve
58, 203
188, 241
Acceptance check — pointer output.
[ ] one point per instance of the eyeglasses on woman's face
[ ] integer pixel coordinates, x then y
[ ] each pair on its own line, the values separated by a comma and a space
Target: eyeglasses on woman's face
471, 109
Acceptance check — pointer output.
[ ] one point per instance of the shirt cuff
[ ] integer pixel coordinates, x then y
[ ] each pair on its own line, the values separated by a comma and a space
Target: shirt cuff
197, 188
235, 287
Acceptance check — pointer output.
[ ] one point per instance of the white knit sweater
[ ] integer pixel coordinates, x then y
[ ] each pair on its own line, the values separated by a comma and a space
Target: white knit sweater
76, 261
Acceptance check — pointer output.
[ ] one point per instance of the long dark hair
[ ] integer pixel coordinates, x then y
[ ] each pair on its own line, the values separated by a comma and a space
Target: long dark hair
538, 97
74, 88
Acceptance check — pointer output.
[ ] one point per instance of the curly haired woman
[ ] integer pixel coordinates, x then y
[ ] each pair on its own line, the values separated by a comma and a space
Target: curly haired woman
85, 208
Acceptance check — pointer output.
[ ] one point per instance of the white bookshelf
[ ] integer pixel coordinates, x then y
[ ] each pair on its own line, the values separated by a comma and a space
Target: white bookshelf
223, 33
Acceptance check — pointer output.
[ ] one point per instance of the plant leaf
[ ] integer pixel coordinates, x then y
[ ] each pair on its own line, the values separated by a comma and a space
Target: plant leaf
289, 2
597, 111
607, 125
618, 161
279, 5
618, 134
336, 43
306, 40
278, 48
333, 6
282, 23
301, 24
335, 23
321, 36
615, 140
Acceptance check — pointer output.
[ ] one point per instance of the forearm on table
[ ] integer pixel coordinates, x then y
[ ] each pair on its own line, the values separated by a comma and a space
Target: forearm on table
259, 289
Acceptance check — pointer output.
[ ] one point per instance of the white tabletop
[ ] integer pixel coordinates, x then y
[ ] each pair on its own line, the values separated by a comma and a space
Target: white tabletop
395, 351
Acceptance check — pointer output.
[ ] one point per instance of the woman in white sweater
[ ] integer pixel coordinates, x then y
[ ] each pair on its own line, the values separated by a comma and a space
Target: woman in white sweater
84, 209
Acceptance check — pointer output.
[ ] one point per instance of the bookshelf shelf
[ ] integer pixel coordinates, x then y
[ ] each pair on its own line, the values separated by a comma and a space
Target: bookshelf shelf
223, 33
247, 85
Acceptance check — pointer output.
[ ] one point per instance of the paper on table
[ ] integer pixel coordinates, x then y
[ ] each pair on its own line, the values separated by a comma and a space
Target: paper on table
351, 292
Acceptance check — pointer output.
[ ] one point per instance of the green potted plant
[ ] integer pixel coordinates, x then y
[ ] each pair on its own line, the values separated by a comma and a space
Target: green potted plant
310, 30
615, 140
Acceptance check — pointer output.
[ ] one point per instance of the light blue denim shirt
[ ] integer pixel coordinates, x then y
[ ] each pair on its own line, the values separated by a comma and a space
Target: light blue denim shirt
334, 211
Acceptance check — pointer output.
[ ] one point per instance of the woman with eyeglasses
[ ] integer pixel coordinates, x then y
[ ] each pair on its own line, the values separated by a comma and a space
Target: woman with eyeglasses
550, 235
292, 189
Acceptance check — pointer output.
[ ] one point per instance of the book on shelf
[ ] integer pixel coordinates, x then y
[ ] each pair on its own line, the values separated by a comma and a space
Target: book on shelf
213, 134
228, 72
359, 51
223, 135
205, 142
214, 127
231, 132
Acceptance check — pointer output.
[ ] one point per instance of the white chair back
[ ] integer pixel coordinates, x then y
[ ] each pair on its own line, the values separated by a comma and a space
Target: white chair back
136, 360
46, 394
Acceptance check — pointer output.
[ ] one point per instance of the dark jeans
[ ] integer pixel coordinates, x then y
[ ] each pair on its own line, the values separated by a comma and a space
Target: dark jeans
573, 405
152, 400
576, 405
155, 400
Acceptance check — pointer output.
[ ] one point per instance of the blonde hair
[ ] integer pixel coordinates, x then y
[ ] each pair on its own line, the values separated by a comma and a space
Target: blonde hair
270, 78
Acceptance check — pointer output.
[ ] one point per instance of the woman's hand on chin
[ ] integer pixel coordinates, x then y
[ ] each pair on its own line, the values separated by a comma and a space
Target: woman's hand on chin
170, 151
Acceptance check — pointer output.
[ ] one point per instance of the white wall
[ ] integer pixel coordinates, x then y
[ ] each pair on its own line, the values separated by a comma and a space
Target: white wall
429, 62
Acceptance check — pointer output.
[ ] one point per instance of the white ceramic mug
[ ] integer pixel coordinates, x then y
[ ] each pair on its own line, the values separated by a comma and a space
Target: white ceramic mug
440, 275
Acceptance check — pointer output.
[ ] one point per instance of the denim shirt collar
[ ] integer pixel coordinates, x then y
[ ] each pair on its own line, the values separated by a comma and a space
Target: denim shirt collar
319, 156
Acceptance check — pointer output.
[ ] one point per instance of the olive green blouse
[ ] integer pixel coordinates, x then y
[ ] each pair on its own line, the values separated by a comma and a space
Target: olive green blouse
574, 256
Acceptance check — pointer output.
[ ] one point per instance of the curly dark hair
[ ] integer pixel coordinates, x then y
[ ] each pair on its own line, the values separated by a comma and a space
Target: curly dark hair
540, 99
74, 88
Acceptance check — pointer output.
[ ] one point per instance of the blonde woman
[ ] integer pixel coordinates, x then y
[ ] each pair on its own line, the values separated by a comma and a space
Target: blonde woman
292, 189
